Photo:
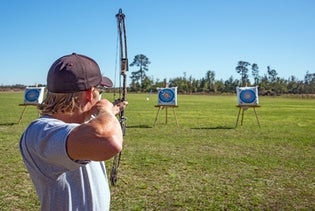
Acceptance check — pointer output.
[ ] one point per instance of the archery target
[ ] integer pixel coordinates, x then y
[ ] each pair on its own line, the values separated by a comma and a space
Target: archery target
247, 95
33, 95
167, 96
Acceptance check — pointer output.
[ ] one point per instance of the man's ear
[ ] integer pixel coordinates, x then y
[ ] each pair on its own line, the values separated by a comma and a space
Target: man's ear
89, 94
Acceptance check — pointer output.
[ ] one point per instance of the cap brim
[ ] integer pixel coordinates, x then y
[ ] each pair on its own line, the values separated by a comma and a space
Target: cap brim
106, 82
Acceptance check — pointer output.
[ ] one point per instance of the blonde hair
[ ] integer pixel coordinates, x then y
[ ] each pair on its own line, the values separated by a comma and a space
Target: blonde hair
61, 102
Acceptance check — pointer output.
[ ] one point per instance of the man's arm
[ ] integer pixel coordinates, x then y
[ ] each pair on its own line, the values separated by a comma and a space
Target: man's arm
99, 139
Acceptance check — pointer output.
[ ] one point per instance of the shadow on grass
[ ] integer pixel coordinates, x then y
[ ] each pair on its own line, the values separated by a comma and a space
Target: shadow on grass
213, 128
8, 124
139, 126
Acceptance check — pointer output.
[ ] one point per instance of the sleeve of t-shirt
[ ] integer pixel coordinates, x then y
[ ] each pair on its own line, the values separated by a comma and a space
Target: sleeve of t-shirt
46, 144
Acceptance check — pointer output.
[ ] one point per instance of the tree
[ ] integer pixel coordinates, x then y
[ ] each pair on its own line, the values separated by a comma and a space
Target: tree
243, 70
183, 85
231, 84
210, 78
195, 85
309, 81
294, 85
219, 86
142, 62
272, 74
255, 73
147, 83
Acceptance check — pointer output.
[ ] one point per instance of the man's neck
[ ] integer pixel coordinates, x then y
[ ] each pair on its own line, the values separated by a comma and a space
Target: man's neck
69, 118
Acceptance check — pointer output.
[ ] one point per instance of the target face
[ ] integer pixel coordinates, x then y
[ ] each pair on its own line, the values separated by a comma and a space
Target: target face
247, 95
33, 95
167, 96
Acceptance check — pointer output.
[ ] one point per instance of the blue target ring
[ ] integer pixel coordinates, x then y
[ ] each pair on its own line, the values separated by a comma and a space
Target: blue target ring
166, 95
248, 96
32, 95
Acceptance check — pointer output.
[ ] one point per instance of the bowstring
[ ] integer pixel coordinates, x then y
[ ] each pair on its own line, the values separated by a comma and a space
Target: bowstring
116, 160
116, 69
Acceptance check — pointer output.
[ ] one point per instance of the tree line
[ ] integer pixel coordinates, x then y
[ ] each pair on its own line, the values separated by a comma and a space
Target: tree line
268, 84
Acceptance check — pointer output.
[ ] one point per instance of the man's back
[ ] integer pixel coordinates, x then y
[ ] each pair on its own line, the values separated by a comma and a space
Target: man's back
61, 183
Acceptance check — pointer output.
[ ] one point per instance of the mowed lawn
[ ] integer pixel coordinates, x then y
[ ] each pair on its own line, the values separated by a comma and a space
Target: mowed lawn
204, 164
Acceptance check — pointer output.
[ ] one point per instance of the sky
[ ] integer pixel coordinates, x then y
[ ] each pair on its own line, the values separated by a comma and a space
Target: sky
180, 38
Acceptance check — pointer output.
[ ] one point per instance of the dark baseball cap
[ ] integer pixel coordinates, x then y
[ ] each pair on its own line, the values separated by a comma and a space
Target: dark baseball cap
74, 73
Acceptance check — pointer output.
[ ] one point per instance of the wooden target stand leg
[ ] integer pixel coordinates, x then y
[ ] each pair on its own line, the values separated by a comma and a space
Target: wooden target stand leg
243, 108
24, 110
166, 113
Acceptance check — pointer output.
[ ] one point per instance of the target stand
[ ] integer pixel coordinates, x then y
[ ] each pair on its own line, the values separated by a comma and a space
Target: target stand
244, 108
166, 113
24, 109
247, 97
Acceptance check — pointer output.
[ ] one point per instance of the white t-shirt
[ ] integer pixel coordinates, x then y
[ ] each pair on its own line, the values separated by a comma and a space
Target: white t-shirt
61, 183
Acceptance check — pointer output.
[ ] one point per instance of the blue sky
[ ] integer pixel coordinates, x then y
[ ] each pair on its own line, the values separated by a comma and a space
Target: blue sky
177, 36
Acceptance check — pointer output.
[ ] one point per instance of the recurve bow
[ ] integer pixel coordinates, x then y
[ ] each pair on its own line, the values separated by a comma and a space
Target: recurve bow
120, 16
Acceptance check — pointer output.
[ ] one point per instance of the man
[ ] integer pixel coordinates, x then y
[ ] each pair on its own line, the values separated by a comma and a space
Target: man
64, 149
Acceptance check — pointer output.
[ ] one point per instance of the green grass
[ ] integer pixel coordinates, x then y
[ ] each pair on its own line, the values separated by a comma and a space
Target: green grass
204, 164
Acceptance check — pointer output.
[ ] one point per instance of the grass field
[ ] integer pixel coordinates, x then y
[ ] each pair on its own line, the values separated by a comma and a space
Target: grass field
204, 164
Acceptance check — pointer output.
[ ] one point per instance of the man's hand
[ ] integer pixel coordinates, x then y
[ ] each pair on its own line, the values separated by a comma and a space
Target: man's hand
102, 106
119, 106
